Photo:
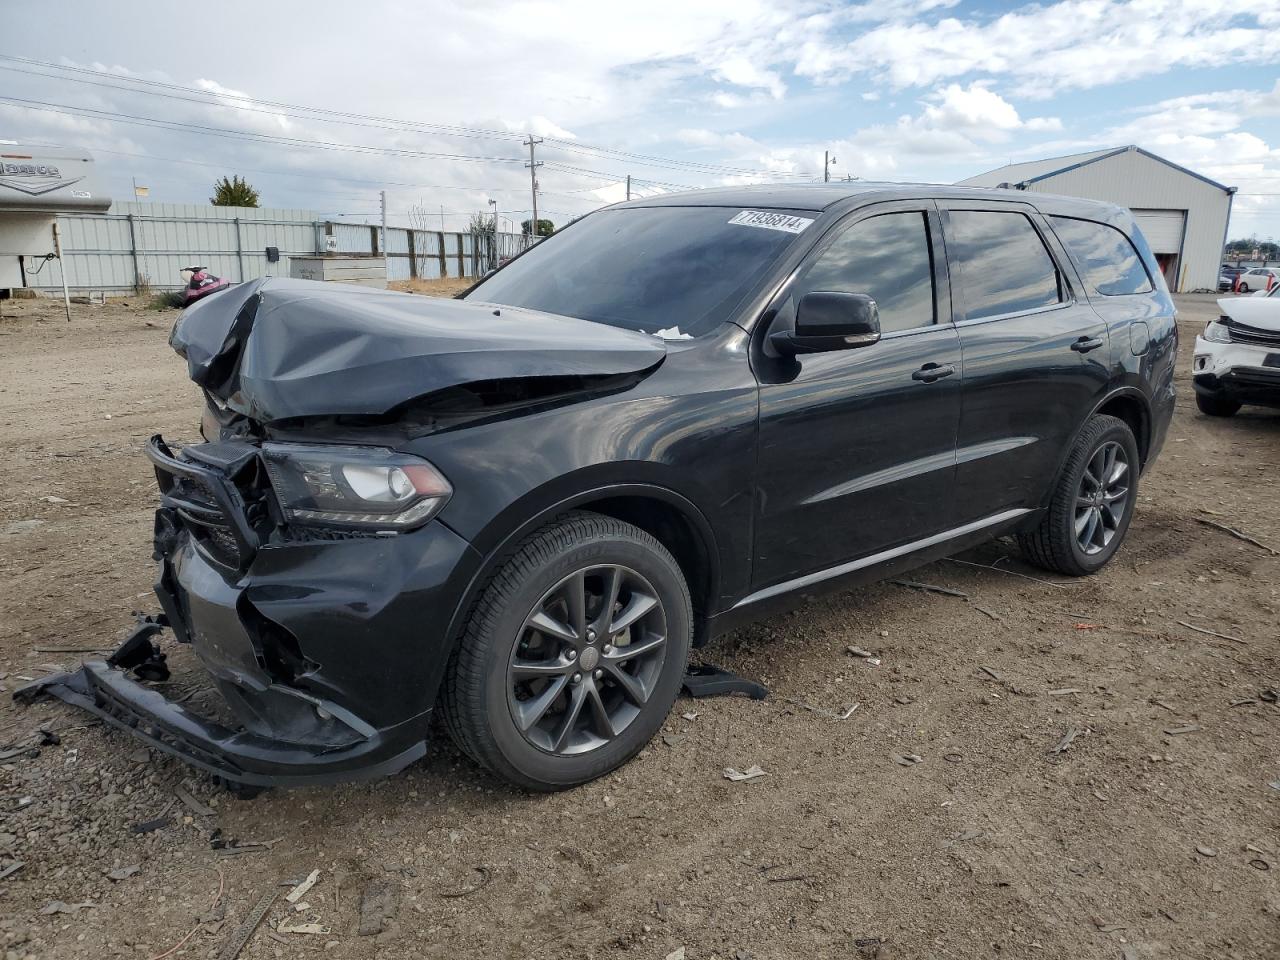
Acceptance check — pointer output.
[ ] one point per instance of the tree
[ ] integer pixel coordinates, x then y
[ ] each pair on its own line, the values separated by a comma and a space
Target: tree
545, 227
233, 193
482, 229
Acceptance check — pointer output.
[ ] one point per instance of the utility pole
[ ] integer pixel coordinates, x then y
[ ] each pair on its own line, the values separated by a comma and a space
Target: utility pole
827, 160
496, 256
383, 241
533, 166
628, 186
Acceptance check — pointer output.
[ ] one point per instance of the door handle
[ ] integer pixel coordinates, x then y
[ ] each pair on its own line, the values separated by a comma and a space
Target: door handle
933, 371
1085, 344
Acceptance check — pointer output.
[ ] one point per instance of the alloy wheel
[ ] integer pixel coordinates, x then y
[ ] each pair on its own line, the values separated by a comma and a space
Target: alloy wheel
1102, 498
587, 659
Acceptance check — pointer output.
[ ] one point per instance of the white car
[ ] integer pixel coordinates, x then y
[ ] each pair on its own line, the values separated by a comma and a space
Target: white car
1237, 358
1258, 278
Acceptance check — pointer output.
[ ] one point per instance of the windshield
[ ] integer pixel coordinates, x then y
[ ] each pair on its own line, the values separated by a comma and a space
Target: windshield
673, 271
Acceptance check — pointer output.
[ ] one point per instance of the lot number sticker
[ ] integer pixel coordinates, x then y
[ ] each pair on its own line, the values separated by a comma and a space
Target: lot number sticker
771, 221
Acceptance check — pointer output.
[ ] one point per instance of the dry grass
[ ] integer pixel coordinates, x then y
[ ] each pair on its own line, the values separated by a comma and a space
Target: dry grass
446, 287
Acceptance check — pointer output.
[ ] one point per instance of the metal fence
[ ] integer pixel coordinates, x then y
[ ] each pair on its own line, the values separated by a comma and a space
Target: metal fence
147, 244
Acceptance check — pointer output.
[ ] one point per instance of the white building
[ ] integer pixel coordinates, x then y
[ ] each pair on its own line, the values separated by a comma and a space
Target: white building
1182, 214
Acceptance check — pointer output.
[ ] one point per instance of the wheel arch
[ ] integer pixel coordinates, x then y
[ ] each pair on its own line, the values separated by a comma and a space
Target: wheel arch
1124, 403
675, 521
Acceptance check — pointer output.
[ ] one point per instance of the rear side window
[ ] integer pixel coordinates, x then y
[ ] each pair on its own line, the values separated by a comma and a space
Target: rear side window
1004, 265
1111, 264
886, 257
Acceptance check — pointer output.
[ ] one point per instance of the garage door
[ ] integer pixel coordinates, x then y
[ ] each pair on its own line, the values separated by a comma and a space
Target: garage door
1162, 228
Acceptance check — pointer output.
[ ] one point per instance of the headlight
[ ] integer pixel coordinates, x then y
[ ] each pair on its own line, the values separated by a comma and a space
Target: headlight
367, 487
1218, 332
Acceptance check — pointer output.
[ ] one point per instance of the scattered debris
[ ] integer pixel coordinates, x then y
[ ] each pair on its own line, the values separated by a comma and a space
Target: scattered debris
1066, 740
150, 826
953, 757
1269, 696
930, 588
705, 680
1012, 573
284, 926
53, 499
858, 652
1176, 731
122, 873
845, 713
989, 672
485, 876
906, 759
676, 954
691, 715
1162, 705
1238, 535
192, 804
57, 906
10, 869
1211, 633
990, 613
751, 773
1242, 701
1206, 851
1064, 692
243, 933
99, 649
300, 891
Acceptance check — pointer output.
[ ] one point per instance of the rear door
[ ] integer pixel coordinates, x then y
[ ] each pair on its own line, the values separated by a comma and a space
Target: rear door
857, 446
1035, 356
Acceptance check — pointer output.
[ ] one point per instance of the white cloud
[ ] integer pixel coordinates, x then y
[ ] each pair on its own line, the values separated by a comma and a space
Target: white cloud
1071, 44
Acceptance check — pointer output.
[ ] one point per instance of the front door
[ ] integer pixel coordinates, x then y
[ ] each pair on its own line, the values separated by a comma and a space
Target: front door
1035, 356
857, 446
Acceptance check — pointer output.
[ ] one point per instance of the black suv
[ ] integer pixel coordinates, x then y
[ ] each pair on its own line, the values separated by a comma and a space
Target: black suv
525, 505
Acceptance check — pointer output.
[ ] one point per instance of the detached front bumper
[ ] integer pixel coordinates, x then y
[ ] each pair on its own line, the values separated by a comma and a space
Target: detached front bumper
328, 651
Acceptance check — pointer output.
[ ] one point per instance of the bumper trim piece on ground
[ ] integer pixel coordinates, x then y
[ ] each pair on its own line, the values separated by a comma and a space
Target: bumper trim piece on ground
236, 756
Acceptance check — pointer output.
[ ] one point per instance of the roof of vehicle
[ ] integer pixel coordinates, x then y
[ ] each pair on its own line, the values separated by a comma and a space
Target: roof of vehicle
818, 197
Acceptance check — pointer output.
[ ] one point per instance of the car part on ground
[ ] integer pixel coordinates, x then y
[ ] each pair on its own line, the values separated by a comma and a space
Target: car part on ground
531, 516
1237, 357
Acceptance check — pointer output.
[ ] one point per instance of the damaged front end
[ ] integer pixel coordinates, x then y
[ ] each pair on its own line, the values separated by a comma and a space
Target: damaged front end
311, 650
300, 552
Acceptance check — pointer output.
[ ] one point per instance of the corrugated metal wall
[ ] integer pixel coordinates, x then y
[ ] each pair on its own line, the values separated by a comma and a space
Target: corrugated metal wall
152, 242
1132, 179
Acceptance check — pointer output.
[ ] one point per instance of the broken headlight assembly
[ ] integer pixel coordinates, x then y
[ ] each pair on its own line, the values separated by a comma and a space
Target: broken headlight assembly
345, 486
1217, 331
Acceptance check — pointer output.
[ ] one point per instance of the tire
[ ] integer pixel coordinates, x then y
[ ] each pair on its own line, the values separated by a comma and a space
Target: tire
486, 684
1056, 543
1242, 288
1217, 406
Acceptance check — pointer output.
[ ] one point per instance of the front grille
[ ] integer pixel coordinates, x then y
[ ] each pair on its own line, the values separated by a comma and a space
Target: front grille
1243, 333
205, 520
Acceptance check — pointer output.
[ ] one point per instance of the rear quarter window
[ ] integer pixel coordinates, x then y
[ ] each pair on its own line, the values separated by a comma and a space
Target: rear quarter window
1108, 258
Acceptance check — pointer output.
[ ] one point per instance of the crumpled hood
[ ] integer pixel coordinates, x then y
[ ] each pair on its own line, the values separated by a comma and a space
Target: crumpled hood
276, 348
1261, 312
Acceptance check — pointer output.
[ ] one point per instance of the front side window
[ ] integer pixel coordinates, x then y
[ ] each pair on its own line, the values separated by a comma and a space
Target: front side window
886, 257
1004, 265
1111, 264
676, 270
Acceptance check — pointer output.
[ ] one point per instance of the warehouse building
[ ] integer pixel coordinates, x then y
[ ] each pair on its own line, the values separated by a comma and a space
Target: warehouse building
1182, 214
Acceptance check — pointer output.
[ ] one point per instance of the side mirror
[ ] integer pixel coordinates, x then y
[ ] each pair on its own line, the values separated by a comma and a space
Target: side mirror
830, 321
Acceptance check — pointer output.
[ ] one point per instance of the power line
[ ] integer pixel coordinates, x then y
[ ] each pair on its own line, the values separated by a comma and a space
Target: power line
242, 102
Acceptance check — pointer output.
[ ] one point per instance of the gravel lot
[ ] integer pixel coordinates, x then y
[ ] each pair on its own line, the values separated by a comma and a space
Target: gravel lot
1153, 835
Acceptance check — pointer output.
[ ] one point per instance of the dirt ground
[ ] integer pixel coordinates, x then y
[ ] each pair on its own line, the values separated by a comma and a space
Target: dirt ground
1154, 834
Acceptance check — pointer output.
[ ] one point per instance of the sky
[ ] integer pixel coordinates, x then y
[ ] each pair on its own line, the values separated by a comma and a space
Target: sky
321, 105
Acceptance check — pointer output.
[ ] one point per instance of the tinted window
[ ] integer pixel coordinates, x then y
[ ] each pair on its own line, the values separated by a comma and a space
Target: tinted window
1005, 267
886, 257
1111, 264
645, 268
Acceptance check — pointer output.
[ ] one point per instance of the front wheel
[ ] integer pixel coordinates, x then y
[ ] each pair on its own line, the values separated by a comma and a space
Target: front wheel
574, 654
1217, 406
1092, 503
1242, 288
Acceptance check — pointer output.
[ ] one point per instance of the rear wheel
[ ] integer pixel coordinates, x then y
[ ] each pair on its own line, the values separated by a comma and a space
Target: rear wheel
573, 656
1242, 288
1217, 406
1092, 503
